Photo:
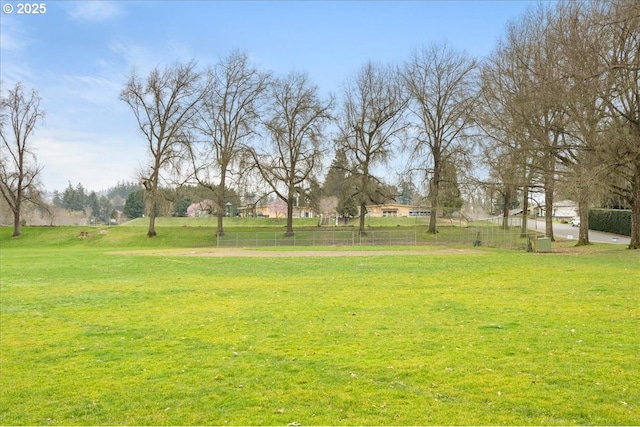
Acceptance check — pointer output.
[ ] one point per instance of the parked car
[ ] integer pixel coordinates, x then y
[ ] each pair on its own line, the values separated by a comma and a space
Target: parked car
575, 222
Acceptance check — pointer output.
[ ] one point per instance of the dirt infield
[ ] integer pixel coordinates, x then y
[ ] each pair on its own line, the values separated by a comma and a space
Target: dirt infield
252, 253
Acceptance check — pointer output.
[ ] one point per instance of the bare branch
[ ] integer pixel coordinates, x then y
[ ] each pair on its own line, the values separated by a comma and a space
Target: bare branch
19, 169
164, 106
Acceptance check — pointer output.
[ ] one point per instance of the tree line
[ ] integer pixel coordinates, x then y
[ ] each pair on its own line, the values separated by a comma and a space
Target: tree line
78, 199
175, 201
554, 108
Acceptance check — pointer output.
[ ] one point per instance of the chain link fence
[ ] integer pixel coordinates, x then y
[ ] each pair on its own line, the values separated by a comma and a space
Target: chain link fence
319, 238
481, 234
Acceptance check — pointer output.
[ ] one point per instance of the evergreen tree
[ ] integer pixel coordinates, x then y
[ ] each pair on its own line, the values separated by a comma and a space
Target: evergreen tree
105, 209
449, 192
134, 206
92, 203
334, 182
122, 189
181, 206
57, 199
407, 192
339, 183
73, 198
82, 198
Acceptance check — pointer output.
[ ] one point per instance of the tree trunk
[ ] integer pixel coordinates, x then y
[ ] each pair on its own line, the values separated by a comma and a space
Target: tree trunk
524, 226
220, 201
548, 216
505, 209
152, 188
152, 218
219, 215
549, 188
289, 231
16, 210
635, 207
583, 213
16, 223
433, 195
152, 226
152, 221
363, 212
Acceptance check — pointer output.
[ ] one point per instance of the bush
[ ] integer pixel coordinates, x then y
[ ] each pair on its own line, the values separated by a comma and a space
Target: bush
616, 221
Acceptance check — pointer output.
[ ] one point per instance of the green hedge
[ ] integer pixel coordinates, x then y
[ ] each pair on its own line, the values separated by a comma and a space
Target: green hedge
616, 221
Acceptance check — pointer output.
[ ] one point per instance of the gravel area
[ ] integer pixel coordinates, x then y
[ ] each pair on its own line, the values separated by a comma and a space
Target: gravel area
252, 253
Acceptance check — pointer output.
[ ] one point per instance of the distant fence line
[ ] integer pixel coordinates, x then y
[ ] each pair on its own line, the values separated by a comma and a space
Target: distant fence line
482, 235
318, 238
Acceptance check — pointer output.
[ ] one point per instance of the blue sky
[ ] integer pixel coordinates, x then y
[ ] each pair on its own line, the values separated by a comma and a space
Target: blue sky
78, 55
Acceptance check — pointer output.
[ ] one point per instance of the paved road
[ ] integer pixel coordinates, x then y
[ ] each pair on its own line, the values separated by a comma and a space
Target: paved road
566, 230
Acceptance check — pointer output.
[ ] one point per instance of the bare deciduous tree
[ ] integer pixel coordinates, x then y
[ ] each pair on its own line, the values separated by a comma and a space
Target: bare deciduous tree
443, 96
294, 127
370, 123
580, 44
504, 147
19, 169
571, 101
541, 114
227, 118
164, 104
622, 61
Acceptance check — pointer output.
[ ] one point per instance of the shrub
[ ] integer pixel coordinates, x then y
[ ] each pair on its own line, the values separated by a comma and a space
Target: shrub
616, 221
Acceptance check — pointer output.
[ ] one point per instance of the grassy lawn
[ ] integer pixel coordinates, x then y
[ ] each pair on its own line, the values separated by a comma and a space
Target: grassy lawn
499, 337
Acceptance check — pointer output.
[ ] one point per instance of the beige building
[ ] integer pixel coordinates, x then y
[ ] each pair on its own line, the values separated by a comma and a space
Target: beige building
397, 210
271, 211
386, 210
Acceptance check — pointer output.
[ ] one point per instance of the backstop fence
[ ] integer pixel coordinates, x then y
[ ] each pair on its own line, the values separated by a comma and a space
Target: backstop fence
477, 234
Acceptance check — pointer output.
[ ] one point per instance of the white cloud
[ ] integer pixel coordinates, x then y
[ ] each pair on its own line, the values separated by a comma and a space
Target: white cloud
14, 41
97, 161
16, 70
136, 56
13, 37
179, 51
95, 11
94, 92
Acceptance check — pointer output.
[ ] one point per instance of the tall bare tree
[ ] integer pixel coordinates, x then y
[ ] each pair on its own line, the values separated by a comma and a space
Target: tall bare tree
541, 112
19, 169
441, 83
294, 128
622, 62
505, 145
370, 123
227, 118
581, 43
163, 104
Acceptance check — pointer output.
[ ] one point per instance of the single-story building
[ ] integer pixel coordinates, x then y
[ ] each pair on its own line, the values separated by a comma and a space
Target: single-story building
271, 211
397, 210
563, 210
385, 210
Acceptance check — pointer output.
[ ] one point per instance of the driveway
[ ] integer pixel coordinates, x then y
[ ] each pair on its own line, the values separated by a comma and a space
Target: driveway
566, 231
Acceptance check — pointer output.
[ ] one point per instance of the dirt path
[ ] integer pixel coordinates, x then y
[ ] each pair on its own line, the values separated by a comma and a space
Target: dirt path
252, 253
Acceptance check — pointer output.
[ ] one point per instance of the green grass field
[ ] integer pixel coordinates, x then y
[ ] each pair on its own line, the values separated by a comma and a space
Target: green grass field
95, 330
